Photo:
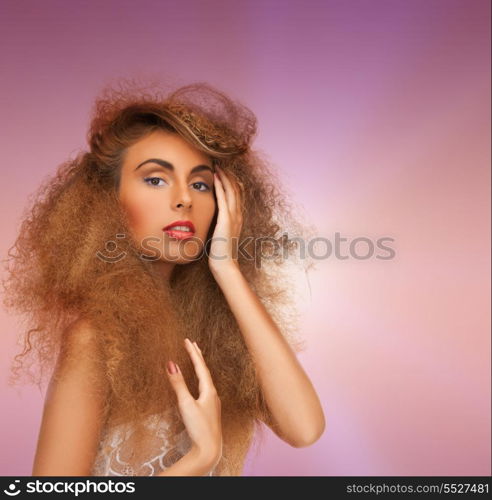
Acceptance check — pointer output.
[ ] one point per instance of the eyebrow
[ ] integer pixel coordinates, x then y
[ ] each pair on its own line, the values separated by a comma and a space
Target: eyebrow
169, 166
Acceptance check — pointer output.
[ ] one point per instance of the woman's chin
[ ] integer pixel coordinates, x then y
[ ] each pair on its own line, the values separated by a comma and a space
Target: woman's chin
181, 259
183, 252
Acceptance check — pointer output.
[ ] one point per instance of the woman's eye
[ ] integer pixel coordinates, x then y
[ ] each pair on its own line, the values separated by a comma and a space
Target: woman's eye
207, 188
153, 181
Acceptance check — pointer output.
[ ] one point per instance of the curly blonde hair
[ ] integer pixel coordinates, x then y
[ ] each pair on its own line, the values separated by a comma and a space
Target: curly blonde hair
55, 276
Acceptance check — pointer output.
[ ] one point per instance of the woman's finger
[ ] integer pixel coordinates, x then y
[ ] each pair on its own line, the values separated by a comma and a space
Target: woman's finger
235, 188
240, 196
230, 193
178, 382
220, 194
199, 350
201, 369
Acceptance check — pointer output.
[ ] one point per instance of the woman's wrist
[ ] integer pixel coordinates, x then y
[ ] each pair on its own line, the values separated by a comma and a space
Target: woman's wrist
207, 458
224, 269
194, 463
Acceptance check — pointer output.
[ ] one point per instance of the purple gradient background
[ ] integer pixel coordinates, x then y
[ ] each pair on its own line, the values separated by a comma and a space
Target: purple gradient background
378, 116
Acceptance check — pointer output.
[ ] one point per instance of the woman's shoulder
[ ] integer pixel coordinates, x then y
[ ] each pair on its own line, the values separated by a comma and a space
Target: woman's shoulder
80, 333
79, 348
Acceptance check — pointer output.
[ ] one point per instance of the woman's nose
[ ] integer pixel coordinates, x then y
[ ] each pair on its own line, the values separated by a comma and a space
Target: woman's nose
182, 197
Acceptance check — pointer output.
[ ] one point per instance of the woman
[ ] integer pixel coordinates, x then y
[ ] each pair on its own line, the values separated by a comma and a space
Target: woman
160, 247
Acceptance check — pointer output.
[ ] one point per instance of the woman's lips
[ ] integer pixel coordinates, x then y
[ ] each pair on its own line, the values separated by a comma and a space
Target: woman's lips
179, 235
177, 229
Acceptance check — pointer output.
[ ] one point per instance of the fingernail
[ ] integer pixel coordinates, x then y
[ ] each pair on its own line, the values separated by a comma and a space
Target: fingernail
171, 368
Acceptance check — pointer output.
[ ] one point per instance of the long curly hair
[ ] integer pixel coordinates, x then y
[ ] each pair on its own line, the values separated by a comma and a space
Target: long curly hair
55, 273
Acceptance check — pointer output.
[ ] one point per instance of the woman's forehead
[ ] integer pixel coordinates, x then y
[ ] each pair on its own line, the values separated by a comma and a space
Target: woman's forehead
167, 146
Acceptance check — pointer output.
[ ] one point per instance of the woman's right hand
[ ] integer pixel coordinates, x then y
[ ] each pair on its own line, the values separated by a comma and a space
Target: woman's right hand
202, 416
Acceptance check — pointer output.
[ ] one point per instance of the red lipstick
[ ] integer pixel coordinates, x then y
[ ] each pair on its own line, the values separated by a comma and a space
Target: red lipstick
180, 229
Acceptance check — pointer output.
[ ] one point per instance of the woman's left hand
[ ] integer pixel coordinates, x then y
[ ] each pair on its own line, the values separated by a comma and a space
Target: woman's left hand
225, 240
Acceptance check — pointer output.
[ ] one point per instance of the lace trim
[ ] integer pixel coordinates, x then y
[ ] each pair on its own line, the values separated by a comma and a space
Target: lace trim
110, 462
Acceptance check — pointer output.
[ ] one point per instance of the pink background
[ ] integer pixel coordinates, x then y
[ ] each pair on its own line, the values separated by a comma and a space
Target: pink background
378, 116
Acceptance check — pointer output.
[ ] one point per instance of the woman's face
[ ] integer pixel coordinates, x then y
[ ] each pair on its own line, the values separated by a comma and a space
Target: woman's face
163, 180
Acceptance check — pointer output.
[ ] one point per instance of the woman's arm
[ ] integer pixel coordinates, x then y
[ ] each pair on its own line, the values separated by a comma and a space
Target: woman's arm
290, 395
295, 409
72, 416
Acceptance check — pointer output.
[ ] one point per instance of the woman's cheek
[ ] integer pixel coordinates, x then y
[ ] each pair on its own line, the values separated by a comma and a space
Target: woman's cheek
206, 221
140, 217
